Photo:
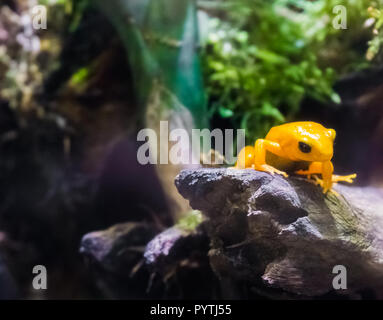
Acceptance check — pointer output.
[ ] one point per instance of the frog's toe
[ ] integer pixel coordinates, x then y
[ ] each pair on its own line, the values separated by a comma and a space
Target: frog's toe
273, 171
283, 174
325, 185
270, 169
326, 189
318, 181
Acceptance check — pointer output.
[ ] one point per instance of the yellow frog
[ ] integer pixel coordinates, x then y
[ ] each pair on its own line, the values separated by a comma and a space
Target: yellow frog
305, 148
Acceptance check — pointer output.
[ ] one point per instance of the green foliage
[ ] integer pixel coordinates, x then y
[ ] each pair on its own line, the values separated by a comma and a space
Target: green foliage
265, 56
375, 20
53, 2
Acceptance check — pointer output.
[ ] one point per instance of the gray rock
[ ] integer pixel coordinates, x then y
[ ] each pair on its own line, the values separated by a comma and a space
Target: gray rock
8, 287
163, 245
118, 248
179, 263
115, 257
173, 245
129, 261
283, 237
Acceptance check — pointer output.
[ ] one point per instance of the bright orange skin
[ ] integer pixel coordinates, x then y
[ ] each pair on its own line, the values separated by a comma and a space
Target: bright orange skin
282, 149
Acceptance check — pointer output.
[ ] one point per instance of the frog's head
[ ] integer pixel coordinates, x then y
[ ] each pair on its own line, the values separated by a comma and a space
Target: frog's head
311, 142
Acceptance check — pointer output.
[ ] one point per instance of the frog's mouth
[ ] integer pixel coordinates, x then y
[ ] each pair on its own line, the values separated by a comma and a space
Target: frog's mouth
317, 157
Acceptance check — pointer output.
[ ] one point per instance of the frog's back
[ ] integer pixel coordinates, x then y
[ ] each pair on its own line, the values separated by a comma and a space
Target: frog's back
285, 130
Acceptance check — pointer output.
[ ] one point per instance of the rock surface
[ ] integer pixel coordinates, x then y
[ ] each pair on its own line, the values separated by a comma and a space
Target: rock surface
284, 236
8, 288
178, 259
115, 256
129, 261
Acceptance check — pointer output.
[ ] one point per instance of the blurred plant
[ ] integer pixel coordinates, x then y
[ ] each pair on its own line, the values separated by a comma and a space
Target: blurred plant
26, 54
161, 39
263, 57
375, 20
71, 10
20, 76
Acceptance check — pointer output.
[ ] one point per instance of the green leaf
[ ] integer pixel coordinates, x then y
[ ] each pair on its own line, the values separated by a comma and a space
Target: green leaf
270, 57
225, 112
336, 98
269, 110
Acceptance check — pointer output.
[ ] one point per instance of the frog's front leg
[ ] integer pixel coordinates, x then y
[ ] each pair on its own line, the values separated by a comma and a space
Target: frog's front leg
325, 169
260, 148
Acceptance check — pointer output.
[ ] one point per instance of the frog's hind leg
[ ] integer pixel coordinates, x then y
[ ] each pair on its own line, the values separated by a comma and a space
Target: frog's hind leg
245, 158
316, 168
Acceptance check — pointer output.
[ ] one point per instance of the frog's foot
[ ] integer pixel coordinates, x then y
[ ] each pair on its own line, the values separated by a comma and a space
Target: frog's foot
326, 185
349, 178
269, 169
318, 181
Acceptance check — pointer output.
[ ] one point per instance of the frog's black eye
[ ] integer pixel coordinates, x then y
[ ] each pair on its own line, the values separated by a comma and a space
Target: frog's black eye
304, 147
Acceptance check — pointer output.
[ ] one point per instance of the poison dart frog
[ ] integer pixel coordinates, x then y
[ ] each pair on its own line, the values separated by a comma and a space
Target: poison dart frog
304, 148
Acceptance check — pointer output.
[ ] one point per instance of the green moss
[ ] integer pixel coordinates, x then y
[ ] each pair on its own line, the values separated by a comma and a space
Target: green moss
346, 224
191, 220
